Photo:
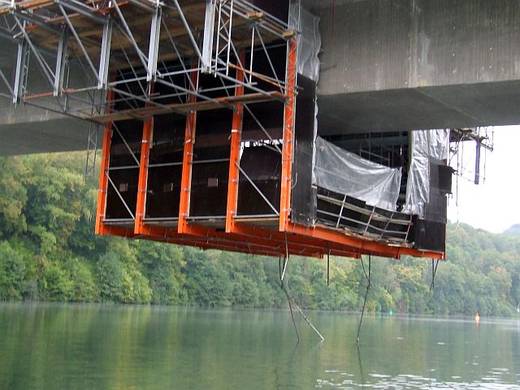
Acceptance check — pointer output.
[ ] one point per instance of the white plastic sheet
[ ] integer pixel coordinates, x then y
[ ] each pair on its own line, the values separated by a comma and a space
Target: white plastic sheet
347, 173
426, 145
309, 40
309, 46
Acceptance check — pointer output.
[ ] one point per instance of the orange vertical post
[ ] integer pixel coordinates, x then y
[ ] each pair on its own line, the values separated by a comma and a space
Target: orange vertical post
234, 158
187, 162
103, 174
143, 176
288, 135
103, 180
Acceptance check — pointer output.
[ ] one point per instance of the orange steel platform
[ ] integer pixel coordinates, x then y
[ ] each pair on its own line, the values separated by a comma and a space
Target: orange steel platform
281, 238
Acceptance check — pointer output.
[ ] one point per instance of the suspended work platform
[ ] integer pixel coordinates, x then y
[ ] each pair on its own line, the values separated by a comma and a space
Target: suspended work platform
210, 135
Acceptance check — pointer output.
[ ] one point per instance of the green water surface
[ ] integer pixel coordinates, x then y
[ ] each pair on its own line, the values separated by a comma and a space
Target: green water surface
44, 346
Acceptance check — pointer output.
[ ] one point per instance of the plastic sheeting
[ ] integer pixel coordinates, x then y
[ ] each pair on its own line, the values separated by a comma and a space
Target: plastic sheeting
309, 40
426, 145
309, 46
346, 173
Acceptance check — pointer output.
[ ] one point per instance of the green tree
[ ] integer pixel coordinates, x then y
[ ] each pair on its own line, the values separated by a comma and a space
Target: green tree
55, 283
162, 266
207, 283
48, 252
12, 273
13, 195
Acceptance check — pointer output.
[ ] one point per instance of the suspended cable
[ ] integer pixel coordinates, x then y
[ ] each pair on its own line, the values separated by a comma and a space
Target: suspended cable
368, 277
282, 268
284, 289
328, 268
435, 265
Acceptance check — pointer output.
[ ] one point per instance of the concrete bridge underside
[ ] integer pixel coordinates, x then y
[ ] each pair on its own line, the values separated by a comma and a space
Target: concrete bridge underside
27, 129
386, 65
412, 64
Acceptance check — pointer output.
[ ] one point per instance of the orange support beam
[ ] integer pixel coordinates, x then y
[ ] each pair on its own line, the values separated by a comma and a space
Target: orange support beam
251, 241
234, 159
119, 231
288, 135
308, 242
207, 238
187, 162
226, 245
143, 176
103, 180
103, 175
362, 245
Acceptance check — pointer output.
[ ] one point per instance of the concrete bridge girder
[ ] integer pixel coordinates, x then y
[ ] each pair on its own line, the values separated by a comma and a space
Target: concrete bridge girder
28, 129
386, 65
405, 64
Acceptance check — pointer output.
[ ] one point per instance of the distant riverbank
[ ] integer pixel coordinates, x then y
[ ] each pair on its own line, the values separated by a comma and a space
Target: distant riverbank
48, 252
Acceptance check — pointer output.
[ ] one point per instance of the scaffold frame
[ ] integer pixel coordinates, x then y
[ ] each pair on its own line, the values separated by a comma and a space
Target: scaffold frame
104, 40
145, 58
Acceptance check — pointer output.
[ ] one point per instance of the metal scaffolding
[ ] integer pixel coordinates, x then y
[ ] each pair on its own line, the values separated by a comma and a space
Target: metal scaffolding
85, 49
112, 62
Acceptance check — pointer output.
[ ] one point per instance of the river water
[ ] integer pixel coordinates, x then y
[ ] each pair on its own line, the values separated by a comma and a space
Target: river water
44, 346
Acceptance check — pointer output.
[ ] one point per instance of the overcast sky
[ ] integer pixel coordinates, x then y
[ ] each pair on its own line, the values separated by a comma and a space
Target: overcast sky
495, 204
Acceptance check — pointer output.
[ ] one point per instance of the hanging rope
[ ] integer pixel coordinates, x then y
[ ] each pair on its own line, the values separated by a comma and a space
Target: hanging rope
302, 313
284, 289
360, 362
435, 265
368, 277
282, 268
328, 268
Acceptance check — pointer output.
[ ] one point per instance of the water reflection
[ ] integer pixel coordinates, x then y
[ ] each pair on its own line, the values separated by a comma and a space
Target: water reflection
380, 381
134, 347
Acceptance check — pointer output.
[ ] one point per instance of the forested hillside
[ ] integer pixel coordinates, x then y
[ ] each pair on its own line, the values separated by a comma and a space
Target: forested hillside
48, 252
